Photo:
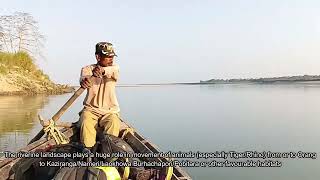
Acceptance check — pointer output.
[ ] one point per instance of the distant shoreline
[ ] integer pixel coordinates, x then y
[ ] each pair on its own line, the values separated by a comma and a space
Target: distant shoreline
203, 83
271, 80
305, 79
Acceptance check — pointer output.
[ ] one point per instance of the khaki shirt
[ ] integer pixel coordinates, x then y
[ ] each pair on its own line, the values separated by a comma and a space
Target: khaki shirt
101, 96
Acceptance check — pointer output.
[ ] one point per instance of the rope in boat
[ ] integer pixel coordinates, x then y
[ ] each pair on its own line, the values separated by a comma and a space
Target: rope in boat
54, 133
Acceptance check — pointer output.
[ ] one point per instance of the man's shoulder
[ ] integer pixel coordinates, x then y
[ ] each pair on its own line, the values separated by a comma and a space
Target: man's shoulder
116, 66
91, 66
87, 70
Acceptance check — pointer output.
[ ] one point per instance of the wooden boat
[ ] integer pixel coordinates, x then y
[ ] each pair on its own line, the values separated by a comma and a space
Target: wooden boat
137, 142
134, 139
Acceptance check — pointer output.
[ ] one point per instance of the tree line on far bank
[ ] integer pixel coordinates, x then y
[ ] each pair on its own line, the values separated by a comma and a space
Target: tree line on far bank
265, 80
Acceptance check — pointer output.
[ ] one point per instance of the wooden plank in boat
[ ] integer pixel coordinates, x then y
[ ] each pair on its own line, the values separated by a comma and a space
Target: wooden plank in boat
138, 146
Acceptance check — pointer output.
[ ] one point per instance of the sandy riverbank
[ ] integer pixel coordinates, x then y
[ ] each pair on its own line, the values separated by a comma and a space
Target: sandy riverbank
19, 75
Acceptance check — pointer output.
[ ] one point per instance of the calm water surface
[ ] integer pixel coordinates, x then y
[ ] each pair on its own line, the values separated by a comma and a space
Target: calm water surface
209, 118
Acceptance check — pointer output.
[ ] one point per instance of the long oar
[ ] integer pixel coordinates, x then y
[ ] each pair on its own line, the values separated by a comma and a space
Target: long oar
62, 110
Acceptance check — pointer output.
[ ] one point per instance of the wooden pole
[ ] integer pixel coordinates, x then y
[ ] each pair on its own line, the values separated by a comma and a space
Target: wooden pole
62, 110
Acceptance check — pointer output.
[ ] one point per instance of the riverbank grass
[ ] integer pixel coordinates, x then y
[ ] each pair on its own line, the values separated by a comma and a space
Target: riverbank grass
20, 75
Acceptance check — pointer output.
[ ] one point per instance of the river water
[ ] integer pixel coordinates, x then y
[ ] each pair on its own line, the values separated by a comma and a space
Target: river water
206, 118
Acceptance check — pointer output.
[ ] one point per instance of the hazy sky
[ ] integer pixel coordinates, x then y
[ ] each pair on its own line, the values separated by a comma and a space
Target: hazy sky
179, 41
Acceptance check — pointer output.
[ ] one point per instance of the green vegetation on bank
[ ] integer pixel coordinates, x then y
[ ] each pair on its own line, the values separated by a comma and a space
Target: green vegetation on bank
19, 62
19, 75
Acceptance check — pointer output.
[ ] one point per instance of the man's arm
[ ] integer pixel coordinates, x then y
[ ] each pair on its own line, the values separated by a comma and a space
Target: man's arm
86, 73
111, 72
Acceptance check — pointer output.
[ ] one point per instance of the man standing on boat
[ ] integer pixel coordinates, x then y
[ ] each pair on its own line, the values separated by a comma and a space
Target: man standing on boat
101, 108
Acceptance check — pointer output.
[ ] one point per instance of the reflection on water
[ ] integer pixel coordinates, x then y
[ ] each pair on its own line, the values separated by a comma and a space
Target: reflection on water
234, 117
18, 115
204, 118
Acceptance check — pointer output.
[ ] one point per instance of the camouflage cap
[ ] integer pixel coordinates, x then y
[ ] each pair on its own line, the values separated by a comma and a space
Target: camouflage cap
105, 48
